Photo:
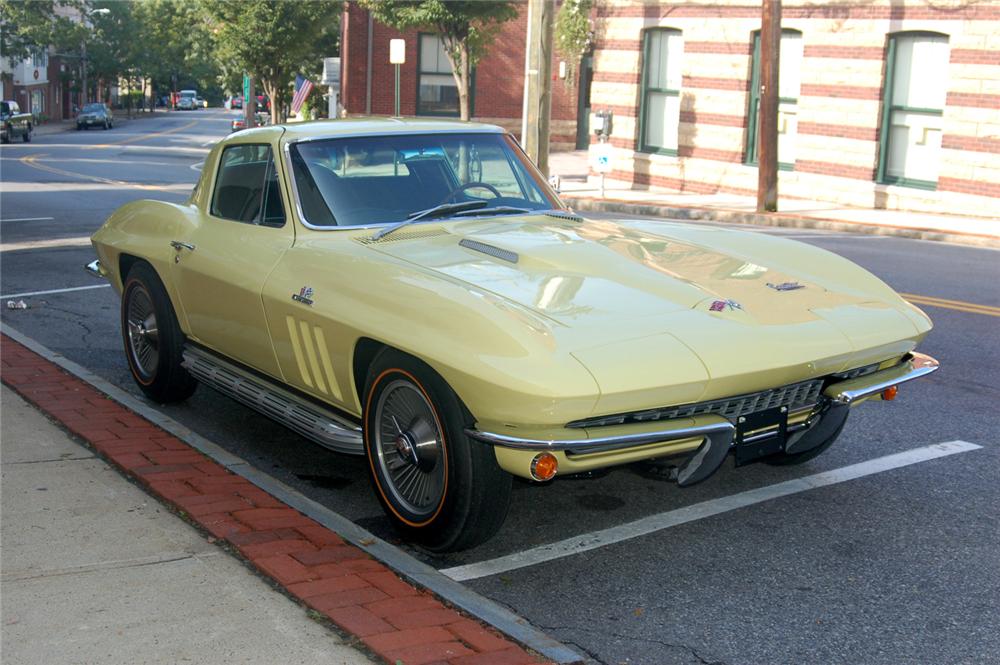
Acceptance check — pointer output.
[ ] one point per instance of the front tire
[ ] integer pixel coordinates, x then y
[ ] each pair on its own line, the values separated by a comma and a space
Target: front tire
153, 338
27, 135
439, 488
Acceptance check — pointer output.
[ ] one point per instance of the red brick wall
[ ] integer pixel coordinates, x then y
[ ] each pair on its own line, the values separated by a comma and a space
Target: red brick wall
499, 89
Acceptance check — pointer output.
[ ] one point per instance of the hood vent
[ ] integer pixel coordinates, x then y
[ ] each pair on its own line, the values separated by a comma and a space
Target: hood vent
495, 252
415, 234
564, 214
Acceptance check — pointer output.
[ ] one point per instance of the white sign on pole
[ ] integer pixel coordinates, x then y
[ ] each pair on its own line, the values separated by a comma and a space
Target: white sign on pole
397, 51
331, 72
600, 157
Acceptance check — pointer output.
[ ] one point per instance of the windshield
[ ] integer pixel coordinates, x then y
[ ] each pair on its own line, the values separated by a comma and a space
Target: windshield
386, 179
93, 108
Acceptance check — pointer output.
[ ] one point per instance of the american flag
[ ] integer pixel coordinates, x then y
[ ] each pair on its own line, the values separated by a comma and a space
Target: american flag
303, 87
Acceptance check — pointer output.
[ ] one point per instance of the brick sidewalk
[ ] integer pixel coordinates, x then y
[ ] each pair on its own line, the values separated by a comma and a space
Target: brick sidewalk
397, 621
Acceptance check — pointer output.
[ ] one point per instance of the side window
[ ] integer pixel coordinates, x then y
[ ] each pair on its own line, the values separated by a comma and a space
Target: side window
247, 188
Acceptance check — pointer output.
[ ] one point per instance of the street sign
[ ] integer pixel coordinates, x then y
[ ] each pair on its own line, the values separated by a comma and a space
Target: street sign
246, 88
600, 155
331, 72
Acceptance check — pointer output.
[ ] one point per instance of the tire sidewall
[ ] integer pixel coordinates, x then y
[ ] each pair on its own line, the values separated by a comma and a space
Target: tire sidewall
169, 382
445, 526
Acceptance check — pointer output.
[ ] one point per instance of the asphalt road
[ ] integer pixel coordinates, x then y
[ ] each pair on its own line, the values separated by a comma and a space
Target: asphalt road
892, 566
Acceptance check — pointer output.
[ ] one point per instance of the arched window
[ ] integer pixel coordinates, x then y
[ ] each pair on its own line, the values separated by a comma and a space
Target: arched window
916, 77
789, 83
660, 108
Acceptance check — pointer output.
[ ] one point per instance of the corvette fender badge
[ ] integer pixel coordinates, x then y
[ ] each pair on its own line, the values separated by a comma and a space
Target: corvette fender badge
721, 305
786, 286
304, 295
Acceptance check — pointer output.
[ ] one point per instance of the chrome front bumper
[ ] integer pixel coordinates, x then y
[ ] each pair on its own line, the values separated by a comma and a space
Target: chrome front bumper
718, 433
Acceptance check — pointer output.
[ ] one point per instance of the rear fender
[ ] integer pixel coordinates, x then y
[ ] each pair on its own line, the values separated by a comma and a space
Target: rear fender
143, 230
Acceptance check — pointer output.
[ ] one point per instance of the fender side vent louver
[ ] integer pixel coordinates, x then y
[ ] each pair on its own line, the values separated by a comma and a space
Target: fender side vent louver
495, 252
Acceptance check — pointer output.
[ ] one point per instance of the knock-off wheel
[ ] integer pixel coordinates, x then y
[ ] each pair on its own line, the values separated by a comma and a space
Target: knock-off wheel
153, 338
438, 488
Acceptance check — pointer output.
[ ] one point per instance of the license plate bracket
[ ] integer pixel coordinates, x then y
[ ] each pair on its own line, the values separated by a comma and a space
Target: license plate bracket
751, 445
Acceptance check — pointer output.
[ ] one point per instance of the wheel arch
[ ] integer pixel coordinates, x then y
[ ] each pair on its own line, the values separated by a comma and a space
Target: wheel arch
127, 261
366, 350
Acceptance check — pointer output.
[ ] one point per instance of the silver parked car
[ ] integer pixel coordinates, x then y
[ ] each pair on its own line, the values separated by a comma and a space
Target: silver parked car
95, 115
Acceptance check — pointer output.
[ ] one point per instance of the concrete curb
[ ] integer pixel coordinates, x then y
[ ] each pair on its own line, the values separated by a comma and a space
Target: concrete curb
281, 534
786, 220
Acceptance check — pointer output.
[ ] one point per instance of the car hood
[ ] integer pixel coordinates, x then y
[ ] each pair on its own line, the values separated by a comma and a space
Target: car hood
713, 305
582, 274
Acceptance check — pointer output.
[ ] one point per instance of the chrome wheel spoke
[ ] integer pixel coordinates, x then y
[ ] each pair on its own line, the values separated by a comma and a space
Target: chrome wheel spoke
142, 332
409, 445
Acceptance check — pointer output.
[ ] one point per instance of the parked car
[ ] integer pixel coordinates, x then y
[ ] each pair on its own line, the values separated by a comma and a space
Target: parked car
95, 115
414, 292
13, 123
239, 122
236, 102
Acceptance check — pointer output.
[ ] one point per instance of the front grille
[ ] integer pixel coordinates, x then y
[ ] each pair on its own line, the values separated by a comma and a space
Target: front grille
794, 397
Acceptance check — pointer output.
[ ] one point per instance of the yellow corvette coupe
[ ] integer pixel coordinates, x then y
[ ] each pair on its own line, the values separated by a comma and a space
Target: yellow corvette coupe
414, 292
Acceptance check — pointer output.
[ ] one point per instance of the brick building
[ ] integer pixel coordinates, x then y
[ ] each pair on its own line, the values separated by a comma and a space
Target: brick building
37, 85
884, 103
428, 89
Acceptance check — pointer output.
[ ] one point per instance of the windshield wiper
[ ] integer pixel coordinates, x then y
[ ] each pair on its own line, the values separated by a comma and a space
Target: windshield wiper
499, 210
436, 211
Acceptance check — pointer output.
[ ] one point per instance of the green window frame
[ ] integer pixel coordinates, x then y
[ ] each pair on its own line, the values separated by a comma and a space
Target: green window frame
893, 107
422, 108
656, 86
753, 102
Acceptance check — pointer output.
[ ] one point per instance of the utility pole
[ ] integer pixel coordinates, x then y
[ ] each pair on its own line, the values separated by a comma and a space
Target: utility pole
538, 83
767, 135
249, 102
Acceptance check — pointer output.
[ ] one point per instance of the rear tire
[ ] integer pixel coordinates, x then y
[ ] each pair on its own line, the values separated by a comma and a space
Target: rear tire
439, 488
152, 337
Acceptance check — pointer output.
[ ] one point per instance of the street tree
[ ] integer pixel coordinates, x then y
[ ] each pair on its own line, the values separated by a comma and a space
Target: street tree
466, 29
26, 25
274, 40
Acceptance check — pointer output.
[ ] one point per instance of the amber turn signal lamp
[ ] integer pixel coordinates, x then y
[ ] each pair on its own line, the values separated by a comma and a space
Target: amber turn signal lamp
889, 393
544, 466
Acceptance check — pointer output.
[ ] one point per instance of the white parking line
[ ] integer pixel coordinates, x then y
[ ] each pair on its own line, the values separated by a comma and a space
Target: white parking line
44, 293
79, 241
653, 523
27, 219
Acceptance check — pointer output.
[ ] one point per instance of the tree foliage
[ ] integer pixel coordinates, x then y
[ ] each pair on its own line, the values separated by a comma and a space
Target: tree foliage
26, 25
466, 29
273, 40
574, 34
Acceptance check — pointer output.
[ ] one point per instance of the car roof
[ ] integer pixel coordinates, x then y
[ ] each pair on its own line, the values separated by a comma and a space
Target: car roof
319, 129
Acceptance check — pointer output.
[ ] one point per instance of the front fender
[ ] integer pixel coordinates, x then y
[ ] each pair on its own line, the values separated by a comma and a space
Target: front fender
504, 361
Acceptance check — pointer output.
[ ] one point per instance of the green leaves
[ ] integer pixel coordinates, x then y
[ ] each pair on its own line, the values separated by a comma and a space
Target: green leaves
273, 40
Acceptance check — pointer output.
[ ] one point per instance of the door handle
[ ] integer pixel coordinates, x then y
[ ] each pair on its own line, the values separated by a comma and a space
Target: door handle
178, 245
